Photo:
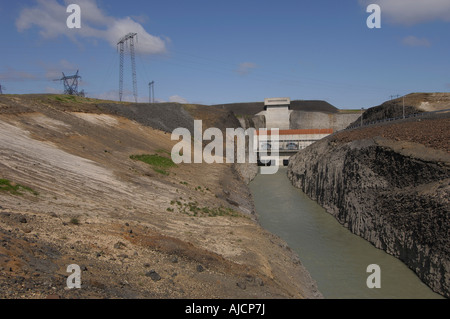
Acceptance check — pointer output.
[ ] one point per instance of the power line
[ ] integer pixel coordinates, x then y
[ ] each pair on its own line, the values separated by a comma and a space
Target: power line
403, 106
403, 102
146, 78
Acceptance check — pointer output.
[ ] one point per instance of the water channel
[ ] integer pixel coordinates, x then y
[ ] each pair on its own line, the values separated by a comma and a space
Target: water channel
335, 258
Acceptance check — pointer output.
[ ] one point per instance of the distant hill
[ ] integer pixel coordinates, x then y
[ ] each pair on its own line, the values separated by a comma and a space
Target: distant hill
252, 108
414, 103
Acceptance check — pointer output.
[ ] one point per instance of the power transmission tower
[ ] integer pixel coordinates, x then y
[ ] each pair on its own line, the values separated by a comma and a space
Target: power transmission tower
403, 106
1, 92
362, 113
71, 84
129, 38
394, 96
151, 96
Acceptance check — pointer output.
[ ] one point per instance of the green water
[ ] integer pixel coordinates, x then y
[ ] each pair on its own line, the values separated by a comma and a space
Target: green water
335, 258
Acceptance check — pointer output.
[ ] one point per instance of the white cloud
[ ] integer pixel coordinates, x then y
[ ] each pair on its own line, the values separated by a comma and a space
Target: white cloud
54, 71
13, 75
178, 99
50, 17
413, 41
146, 43
410, 12
245, 68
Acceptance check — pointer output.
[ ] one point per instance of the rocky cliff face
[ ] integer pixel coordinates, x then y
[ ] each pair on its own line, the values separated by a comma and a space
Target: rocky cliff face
394, 194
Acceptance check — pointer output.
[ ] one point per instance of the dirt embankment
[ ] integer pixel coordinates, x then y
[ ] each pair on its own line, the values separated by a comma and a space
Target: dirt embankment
413, 103
71, 194
389, 184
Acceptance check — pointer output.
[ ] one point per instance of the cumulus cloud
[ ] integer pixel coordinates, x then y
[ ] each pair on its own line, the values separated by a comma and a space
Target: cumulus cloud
410, 12
245, 68
413, 41
50, 17
178, 99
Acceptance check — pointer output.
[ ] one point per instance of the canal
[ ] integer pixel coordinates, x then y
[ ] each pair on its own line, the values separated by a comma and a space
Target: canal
335, 258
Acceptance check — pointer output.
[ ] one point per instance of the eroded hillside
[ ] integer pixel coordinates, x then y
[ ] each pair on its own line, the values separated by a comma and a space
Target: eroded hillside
74, 191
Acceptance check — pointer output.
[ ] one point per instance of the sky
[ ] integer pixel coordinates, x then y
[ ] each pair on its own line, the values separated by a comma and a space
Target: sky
214, 52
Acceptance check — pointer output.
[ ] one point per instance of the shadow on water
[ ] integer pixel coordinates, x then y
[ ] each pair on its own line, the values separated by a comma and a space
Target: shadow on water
335, 258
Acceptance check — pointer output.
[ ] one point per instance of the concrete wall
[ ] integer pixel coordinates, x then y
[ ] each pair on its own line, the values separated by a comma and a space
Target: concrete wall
277, 117
318, 120
293, 120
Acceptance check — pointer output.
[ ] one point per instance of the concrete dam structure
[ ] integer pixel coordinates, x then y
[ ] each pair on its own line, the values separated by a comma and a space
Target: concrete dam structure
297, 129
277, 112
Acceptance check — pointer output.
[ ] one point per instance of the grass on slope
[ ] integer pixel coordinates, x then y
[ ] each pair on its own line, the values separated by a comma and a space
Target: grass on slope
15, 189
159, 163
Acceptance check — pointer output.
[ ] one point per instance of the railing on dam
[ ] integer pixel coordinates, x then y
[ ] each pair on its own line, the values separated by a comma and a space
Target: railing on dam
409, 116
288, 141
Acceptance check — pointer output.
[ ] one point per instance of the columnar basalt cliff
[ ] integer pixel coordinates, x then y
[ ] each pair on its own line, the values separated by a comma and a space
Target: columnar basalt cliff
390, 185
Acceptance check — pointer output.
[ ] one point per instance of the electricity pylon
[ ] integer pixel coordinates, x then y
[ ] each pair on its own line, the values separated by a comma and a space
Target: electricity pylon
151, 96
129, 38
71, 84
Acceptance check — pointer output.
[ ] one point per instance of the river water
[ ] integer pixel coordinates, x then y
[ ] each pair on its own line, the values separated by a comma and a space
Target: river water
335, 258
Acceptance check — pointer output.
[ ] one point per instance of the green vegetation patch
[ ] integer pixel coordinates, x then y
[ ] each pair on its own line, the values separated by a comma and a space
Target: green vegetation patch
75, 221
13, 188
159, 163
68, 98
349, 111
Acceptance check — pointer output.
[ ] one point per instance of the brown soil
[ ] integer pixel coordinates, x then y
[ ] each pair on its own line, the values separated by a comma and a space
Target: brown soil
433, 133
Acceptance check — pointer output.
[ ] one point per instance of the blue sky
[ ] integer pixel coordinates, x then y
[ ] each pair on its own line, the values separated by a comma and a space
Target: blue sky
214, 52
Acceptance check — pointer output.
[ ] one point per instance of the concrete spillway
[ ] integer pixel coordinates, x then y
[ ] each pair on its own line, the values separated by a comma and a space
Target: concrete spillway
297, 130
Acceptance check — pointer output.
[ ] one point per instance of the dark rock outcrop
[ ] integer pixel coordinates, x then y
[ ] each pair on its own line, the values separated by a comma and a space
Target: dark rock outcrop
394, 194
